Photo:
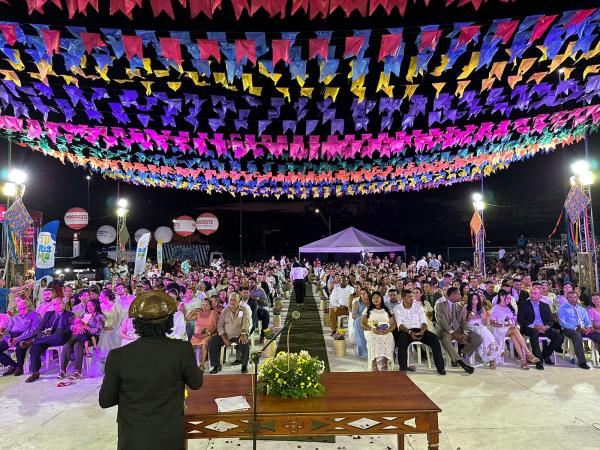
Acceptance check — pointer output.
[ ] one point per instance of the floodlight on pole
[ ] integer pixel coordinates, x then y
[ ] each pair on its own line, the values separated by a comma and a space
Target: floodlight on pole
9, 189
88, 178
17, 176
122, 203
478, 202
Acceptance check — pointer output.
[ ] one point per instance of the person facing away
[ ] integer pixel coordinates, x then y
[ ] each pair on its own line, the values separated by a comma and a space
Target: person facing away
147, 377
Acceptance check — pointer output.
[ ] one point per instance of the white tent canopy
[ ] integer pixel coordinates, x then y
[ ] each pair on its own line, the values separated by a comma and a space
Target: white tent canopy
351, 240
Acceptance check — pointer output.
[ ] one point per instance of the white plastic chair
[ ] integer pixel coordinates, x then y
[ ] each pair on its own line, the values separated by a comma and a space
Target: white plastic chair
417, 347
57, 350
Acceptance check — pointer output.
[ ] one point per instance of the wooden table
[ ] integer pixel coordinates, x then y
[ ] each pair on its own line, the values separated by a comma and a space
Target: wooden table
388, 403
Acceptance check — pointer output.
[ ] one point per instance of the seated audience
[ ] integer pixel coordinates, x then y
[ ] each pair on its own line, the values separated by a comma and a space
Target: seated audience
338, 302
18, 333
488, 350
205, 328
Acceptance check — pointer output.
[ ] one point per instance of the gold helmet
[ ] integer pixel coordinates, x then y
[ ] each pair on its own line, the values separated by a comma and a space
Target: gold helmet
152, 305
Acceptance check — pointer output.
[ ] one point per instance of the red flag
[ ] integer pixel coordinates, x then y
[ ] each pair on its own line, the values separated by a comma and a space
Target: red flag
125, 6
318, 47
8, 31
466, 34
208, 48
159, 6
83, 4
91, 40
297, 4
171, 49
353, 45
348, 6
391, 4
133, 46
430, 39
541, 26
245, 48
506, 30
318, 7
239, 6
281, 50
390, 43
207, 7
580, 16
52, 41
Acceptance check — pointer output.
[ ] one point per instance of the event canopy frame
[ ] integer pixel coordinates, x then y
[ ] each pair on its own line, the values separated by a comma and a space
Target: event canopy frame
351, 240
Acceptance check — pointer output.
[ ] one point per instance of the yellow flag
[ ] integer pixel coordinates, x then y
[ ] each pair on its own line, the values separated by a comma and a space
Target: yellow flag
18, 66
147, 65
525, 65
133, 73
246, 81
590, 69
306, 92
497, 69
359, 92
38, 76
438, 88
470, 67
331, 92
514, 79
262, 69
71, 80
161, 73
359, 82
544, 51
83, 62
328, 79
412, 69
537, 77
487, 84
384, 80
220, 78
286, 92
439, 70
410, 90
567, 72
389, 90
174, 85
103, 73
275, 77
148, 86
255, 90
460, 88
300, 80
12, 76
559, 59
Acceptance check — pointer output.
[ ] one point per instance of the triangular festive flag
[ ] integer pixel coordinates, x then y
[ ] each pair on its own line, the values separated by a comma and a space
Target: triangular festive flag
318, 47
52, 41
460, 88
133, 46
208, 48
245, 48
390, 43
468, 69
281, 50
171, 49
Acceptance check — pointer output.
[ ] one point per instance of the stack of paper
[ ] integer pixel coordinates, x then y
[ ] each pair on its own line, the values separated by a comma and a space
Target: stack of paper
229, 404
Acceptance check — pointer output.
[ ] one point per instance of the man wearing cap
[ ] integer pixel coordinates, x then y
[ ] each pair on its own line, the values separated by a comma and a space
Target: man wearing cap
147, 377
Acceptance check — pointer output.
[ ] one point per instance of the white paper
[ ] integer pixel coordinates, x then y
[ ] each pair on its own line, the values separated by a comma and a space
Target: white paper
229, 404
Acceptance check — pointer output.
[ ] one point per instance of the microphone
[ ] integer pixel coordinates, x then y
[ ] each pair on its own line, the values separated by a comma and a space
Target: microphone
295, 315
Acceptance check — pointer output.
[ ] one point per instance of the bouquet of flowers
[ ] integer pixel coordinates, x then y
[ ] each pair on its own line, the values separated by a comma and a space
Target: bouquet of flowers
291, 375
339, 335
268, 332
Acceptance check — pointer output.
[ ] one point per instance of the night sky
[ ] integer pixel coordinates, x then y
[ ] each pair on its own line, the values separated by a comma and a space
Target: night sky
527, 198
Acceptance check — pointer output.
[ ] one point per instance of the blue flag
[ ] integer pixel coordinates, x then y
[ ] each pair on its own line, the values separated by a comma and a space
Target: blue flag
46, 247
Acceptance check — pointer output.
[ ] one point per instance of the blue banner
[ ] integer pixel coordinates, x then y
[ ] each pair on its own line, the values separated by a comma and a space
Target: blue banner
46, 247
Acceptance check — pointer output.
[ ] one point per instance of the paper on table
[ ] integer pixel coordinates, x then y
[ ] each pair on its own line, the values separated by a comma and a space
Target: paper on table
228, 404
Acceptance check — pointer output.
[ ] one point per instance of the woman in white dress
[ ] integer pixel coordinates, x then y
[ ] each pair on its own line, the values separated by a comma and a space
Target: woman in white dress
489, 350
504, 322
110, 337
378, 323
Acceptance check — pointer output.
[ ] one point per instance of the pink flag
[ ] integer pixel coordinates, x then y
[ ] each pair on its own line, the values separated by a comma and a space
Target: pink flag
317, 47
208, 48
8, 31
348, 6
133, 46
430, 39
541, 26
171, 49
466, 34
506, 30
281, 50
207, 7
353, 45
390, 43
245, 48
159, 6
297, 4
239, 6
91, 40
318, 7
580, 16
52, 41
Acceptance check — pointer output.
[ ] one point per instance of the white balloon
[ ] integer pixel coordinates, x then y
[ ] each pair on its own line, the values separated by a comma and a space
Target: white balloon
139, 233
164, 234
106, 234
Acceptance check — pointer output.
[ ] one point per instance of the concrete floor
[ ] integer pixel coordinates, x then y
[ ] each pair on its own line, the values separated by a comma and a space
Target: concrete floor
506, 408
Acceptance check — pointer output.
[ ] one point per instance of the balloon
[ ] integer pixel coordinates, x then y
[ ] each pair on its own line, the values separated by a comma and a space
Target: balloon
184, 225
207, 223
163, 234
139, 233
106, 234
76, 218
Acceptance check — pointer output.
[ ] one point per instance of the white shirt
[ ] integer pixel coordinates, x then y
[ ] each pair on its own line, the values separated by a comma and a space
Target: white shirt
178, 327
298, 273
421, 264
339, 296
410, 318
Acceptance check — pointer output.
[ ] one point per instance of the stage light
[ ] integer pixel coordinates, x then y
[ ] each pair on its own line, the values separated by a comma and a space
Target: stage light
121, 212
122, 203
586, 178
479, 205
317, 211
477, 197
17, 176
10, 189
580, 167
88, 178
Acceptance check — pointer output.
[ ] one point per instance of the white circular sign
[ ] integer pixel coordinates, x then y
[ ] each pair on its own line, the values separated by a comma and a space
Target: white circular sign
207, 223
106, 234
139, 233
163, 234
76, 218
184, 225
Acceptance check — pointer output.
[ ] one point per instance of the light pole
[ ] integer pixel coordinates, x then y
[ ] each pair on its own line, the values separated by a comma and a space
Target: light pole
122, 211
13, 188
327, 221
479, 255
584, 178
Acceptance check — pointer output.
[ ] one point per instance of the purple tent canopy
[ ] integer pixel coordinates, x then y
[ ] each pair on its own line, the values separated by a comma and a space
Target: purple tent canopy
351, 240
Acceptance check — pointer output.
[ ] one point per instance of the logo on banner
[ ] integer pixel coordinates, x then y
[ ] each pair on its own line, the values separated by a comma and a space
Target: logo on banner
140, 255
207, 223
45, 251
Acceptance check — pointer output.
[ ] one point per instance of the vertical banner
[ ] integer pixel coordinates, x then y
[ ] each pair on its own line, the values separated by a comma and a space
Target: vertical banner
159, 255
46, 247
76, 246
140, 255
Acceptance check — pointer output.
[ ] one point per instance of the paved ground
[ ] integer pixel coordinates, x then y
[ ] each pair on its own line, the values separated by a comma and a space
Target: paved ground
502, 409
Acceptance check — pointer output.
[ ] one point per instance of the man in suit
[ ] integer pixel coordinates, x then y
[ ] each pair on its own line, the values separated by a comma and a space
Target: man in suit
53, 331
452, 325
147, 377
535, 321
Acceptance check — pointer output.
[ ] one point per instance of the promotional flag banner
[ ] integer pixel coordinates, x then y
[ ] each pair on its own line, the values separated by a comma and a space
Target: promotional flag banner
46, 248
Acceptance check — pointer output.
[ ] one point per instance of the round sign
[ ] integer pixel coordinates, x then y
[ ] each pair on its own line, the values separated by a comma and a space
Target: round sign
184, 225
207, 223
76, 218
139, 233
106, 234
163, 234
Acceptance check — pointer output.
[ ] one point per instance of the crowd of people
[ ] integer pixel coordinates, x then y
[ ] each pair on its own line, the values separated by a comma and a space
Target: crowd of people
528, 299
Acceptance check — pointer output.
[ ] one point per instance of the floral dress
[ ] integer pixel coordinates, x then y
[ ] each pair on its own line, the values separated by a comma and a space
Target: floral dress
489, 350
379, 345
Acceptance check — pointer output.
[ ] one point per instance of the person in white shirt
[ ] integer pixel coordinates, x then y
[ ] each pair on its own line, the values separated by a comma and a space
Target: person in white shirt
298, 276
338, 302
422, 264
412, 326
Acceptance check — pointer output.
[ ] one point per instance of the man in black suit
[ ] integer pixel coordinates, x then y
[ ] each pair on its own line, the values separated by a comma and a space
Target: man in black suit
535, 320
147, 377
53, 331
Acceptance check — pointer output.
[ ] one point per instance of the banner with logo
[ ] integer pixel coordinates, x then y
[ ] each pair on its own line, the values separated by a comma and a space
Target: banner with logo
46, 247
159, 255
140, 255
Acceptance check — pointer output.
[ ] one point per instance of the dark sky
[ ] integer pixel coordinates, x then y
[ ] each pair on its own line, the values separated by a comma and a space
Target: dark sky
529, 196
